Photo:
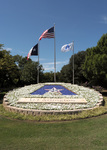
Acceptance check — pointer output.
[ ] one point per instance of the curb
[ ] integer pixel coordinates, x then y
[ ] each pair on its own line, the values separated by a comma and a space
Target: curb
44, 112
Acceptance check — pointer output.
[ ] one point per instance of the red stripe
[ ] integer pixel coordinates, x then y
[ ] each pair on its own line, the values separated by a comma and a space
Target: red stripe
46, 34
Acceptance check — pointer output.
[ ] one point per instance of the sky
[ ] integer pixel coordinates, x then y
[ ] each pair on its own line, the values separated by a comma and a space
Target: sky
23, 21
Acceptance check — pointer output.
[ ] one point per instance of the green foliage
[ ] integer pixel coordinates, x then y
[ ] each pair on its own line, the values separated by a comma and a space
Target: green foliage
8, 69
48, 77
1, 46
67, 70
21, 61
79, 59
102, 44
58, 76
95, 65
29, 73
16, 70
89, 65
66, 73
27, 70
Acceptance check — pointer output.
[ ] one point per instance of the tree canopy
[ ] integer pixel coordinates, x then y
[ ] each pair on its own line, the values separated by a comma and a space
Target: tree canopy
27, 70
8, 69
89, 65
95, 65
67, 70
16, 70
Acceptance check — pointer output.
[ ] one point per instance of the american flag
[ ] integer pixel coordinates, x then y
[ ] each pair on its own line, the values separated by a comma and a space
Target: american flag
49, 33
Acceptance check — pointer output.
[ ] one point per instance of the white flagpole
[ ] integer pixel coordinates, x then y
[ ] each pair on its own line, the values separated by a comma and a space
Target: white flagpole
73, 62
38, 64
54, 56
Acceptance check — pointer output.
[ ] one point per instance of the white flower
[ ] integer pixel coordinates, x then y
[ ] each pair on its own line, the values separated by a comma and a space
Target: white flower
90, 95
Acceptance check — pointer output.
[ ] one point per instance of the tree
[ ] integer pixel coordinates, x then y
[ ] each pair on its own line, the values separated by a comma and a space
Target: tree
95, 65
1, 46
29, 73
67, 70
21, 61
58, 76
65, 74
79, 59
27, 69
48, 77
102, 44
8, 69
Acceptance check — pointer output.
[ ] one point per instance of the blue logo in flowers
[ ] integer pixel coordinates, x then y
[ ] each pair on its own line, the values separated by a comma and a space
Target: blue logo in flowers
59, 89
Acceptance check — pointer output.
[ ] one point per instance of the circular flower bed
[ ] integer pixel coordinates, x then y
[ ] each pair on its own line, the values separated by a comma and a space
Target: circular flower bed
92, 97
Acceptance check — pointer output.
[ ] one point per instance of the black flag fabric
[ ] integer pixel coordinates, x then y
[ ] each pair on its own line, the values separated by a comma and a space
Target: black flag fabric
33, 51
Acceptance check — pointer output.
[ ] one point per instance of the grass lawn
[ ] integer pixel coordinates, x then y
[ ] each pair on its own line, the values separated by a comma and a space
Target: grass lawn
83, 134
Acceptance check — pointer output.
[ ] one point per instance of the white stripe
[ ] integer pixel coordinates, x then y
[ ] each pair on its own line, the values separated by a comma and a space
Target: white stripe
29, 54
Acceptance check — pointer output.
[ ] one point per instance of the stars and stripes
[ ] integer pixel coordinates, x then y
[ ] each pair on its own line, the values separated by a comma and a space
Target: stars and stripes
49, 33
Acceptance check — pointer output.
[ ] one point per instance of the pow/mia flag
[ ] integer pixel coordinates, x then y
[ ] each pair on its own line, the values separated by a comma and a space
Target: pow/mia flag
33, 51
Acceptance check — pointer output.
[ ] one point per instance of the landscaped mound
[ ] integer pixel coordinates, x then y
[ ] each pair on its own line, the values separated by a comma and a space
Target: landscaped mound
92, 97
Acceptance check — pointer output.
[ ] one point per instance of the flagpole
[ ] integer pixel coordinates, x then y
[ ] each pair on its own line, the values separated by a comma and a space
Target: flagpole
54, 56
38, 64
73, 62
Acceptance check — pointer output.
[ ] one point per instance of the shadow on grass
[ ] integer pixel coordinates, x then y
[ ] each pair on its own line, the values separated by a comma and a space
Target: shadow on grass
1, 96
104, 93
3, 91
